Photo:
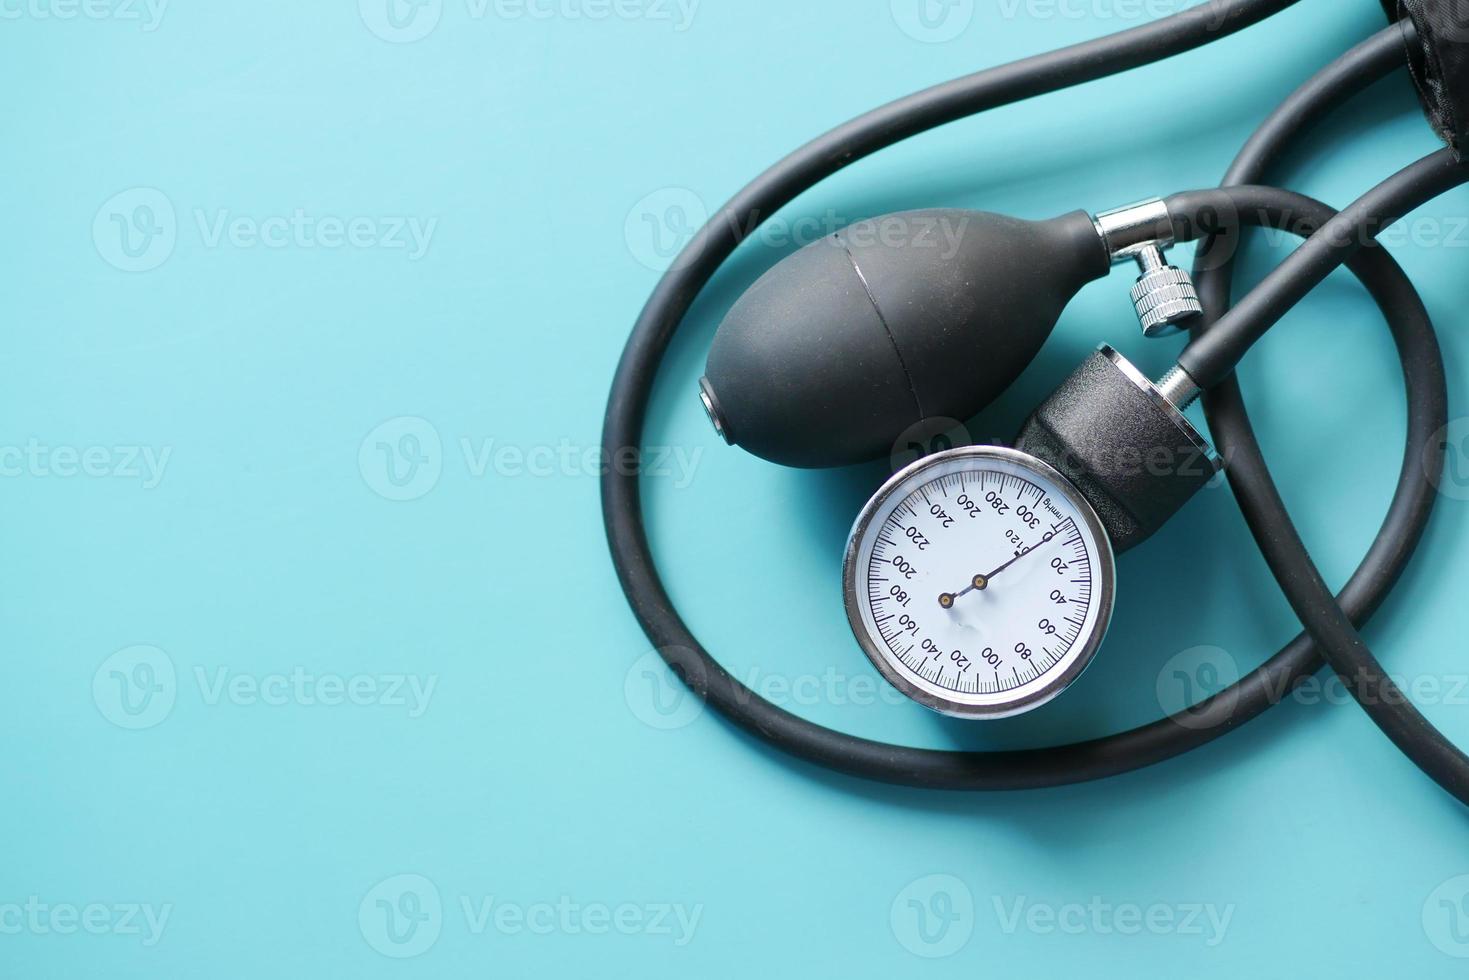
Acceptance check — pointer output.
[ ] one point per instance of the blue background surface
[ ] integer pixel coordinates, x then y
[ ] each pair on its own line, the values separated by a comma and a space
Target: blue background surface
341, 682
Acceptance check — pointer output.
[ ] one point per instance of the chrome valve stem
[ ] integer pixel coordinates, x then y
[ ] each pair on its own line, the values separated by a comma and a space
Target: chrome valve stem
1164, 295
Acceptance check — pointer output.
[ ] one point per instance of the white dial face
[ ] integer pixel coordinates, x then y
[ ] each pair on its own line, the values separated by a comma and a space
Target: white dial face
979, 582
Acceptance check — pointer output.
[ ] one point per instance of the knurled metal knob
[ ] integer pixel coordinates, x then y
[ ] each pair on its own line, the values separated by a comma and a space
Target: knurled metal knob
1164, 295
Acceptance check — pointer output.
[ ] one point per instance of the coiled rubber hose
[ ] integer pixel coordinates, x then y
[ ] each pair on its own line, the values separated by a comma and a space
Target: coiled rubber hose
1082, 761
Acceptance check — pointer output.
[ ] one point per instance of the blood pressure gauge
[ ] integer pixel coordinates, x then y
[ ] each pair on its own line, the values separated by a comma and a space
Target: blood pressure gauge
980, 582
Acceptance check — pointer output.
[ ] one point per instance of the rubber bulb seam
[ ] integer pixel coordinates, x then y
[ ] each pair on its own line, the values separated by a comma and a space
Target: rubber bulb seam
867, 289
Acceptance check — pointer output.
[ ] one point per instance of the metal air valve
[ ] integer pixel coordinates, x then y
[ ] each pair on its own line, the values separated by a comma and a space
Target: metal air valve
1164, 295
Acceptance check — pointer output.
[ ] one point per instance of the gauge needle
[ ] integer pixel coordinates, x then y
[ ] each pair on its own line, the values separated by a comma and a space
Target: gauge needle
1045, 539
982, 582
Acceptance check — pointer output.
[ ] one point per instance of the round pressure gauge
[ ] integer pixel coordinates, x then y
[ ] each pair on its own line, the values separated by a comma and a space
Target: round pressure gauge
980, 582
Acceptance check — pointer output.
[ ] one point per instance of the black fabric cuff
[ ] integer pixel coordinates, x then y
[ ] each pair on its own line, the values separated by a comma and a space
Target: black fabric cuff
1439, 58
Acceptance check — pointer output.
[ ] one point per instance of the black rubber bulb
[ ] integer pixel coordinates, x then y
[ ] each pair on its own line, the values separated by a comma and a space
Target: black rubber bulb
842, 347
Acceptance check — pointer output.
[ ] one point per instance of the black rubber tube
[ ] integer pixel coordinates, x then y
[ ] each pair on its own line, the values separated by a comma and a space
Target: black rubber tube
863, 136
1334, 630
1224, 406
932, 768
1212, 356
1331, 626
